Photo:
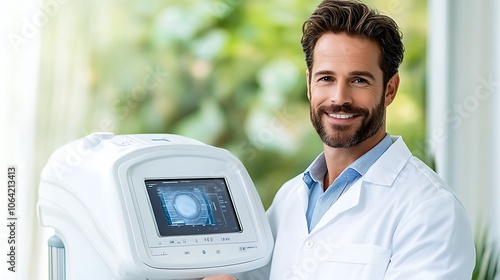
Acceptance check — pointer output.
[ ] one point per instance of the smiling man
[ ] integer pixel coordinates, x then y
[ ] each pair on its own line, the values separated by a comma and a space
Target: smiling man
348, 97
365, 208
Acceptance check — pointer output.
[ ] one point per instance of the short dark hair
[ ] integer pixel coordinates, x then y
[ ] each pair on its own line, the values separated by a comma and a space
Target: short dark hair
357, 19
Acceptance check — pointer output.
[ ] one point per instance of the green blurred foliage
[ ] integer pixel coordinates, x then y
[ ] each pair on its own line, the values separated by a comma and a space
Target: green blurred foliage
230, 73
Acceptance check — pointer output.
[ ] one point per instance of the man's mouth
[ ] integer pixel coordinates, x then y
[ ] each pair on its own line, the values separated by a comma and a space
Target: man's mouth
342, 116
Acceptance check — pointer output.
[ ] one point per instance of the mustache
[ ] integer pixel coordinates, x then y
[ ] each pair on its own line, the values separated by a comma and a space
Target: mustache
345, 108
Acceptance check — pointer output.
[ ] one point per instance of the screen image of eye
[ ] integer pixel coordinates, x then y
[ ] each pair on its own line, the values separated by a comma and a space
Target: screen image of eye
186, 206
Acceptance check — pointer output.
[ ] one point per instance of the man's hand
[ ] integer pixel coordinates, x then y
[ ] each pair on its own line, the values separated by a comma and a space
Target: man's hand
220, 277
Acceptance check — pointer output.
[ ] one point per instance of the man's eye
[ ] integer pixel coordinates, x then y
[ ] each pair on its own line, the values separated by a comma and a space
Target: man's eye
360, 81
325, 79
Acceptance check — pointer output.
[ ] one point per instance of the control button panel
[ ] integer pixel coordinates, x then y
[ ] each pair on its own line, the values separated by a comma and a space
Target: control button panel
188, 241
203, 254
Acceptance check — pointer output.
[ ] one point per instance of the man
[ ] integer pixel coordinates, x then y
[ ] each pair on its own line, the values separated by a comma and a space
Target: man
365, 208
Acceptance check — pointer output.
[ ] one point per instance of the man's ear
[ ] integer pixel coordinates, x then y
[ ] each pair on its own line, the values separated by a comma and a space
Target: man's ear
308, 79
391, 89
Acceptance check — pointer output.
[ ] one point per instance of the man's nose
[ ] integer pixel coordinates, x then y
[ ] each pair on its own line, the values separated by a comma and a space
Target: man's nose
341, 94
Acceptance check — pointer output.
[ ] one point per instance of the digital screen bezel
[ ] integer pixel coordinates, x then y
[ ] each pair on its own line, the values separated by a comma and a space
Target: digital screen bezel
219, 209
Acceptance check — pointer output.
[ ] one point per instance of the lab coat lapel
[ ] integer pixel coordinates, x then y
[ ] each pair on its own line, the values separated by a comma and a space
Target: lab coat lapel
347, 201
300, 212
385, 170
303, 195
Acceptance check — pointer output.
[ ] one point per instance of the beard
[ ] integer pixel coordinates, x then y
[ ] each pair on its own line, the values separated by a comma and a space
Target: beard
341, 137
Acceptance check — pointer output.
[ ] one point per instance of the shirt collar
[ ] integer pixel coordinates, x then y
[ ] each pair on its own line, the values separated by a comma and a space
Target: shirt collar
317, 169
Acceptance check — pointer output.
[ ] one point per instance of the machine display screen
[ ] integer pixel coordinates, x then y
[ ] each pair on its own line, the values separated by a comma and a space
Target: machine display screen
192, 206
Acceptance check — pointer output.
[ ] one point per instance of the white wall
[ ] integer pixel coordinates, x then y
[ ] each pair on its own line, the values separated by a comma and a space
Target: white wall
463, 101
19, 56
496, 119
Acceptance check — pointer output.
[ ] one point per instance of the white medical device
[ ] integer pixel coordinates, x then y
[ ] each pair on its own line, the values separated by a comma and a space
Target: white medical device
151, 207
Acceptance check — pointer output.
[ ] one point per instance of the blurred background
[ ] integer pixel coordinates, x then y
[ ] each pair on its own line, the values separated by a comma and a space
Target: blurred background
231, 73
228, 73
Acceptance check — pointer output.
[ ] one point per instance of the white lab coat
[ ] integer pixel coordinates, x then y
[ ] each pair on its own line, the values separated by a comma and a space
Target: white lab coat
399, 221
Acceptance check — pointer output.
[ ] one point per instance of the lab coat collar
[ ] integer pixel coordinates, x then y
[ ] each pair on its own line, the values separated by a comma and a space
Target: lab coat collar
383, 172
344, 203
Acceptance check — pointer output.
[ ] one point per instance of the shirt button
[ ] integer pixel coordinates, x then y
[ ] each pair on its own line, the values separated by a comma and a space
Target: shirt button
309, 244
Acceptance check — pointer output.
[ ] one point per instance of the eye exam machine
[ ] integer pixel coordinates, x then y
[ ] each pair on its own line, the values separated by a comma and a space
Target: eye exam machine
151, 207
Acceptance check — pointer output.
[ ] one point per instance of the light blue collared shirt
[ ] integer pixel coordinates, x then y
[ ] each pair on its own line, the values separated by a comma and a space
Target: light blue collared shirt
319, 201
